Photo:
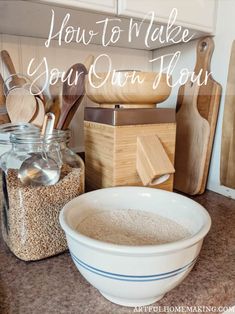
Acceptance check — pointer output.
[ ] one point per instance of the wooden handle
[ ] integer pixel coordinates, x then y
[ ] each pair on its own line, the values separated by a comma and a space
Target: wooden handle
56, 89
15, 80
187, 93
8, 62
72, 94
2, 96
4, 118
152, 162
44, 126
63, 117
191, 90
48, 124
205, 48
56, 109
88, 62
71, 114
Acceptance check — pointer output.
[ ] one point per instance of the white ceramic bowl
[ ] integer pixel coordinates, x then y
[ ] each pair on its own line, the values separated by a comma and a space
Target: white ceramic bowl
135, 275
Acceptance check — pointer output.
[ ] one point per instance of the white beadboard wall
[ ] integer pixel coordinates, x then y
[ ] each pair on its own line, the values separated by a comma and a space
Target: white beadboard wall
225, 34
23, 49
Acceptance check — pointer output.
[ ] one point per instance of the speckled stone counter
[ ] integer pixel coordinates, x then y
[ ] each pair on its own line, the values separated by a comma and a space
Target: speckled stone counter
55, 286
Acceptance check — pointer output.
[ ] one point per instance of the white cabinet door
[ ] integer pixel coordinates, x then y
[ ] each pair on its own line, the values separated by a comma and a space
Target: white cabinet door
107, 6
195, 14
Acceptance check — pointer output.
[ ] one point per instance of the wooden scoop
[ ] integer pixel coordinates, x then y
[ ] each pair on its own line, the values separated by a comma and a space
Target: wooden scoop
73, 94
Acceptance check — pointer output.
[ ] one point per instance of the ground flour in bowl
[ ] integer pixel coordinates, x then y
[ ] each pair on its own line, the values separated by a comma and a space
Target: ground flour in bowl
131, 227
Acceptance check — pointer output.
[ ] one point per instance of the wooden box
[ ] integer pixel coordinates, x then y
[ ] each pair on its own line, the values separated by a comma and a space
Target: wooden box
110, 150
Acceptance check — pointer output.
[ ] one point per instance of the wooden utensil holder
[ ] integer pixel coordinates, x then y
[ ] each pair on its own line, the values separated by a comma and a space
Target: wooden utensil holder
139, 152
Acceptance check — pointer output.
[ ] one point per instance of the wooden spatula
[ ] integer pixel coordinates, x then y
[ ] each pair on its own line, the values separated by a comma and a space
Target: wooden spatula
192, 137
227, 159
72, 94
209, 96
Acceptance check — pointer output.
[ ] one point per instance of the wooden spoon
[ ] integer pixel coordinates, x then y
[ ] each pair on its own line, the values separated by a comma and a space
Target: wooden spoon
56, 92
54, 104
20, 103
39, 115
87, 63
72, 94
4, 118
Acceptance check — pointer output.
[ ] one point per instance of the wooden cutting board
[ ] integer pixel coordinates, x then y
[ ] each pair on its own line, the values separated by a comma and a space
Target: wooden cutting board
227, 159
192, 138
208, 100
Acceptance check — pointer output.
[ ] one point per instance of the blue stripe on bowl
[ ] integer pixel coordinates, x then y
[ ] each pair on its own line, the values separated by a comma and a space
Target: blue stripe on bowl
131, 277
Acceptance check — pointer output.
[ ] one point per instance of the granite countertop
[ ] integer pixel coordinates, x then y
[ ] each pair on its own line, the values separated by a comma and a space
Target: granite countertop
55, 286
